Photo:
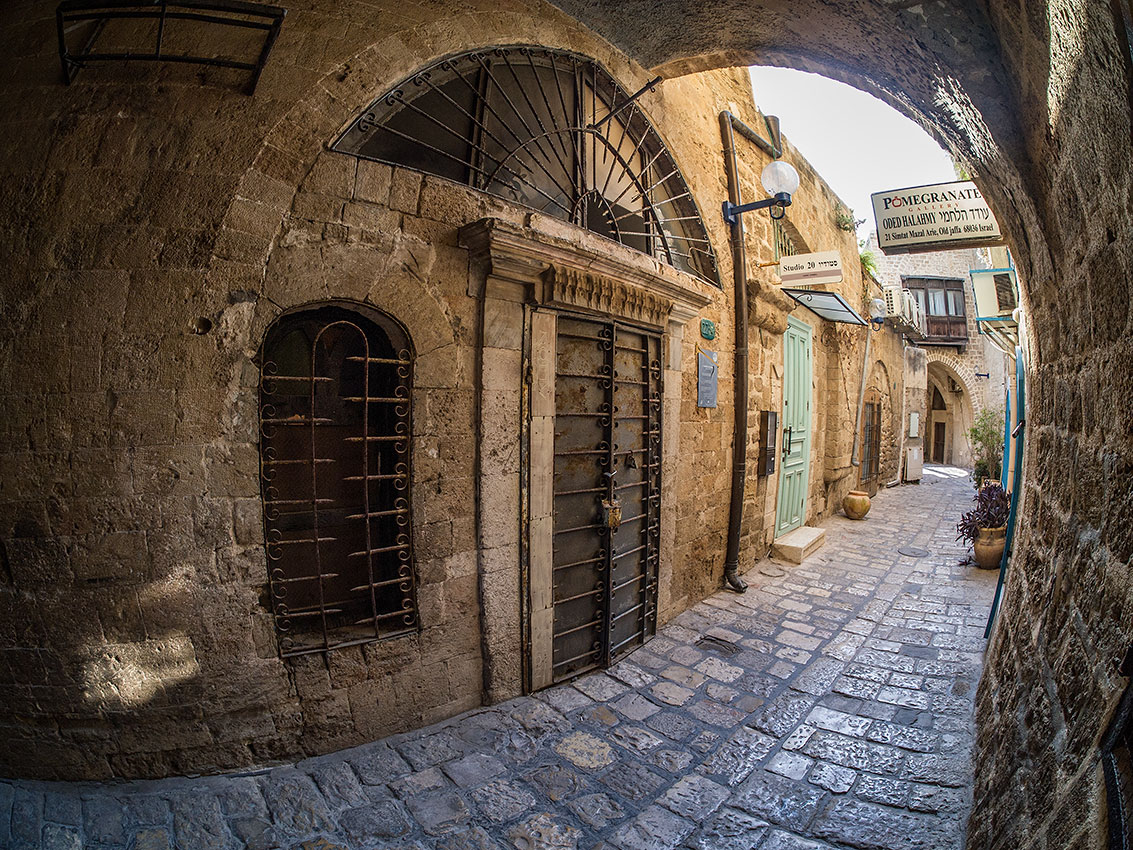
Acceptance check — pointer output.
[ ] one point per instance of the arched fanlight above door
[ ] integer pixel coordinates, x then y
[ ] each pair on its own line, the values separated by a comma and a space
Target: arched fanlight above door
547, 129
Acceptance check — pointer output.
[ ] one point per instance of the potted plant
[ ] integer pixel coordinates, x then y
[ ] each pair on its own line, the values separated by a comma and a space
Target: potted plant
986, 437
985, 526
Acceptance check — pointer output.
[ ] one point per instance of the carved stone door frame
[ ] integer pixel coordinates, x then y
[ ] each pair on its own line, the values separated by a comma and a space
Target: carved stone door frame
531, 272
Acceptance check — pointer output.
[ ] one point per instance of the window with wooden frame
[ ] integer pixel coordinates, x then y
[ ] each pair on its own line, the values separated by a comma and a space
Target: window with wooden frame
942, 301
335, 424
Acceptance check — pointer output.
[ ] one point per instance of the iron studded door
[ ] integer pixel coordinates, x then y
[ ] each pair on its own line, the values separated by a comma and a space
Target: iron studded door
794, 470
607, 492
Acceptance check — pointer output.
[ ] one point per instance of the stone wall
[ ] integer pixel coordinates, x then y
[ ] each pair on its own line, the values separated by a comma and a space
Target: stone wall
170, 219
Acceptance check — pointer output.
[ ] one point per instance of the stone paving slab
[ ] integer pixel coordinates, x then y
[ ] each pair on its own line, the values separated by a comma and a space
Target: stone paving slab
829, 706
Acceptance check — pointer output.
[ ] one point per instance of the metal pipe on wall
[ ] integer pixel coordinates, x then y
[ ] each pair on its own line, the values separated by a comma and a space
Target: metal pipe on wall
854, 459
740, 372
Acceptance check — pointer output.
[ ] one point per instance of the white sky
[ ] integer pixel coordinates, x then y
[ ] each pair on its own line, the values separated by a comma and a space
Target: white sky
857, 143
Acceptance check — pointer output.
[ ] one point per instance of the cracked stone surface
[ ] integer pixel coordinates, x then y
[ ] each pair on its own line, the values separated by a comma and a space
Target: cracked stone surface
830, 706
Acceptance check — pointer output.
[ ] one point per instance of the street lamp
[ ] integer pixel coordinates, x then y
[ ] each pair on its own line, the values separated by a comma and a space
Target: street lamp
876, 314
780, 180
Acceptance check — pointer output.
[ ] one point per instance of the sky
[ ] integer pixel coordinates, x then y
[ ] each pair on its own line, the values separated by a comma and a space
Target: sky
857, 143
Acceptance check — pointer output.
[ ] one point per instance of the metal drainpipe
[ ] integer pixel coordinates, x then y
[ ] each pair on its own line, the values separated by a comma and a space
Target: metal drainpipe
854, 459
740, 371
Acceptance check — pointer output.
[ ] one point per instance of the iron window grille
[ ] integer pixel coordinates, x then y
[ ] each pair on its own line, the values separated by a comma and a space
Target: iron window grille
784, 245
1117, 763
335, 426
547, 129
871, 442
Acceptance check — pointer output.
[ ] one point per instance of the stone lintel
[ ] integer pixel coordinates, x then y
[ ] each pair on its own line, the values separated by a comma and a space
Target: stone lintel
556, 264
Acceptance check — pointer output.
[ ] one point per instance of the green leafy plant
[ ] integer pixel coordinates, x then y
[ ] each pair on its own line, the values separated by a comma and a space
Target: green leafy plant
986, 437
869, 262
845, 220
991, 511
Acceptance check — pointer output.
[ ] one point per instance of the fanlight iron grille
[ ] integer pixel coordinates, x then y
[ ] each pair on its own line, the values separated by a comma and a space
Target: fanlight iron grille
335, 470
547, 129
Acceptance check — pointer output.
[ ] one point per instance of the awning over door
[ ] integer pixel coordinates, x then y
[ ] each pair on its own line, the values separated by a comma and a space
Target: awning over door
826, 305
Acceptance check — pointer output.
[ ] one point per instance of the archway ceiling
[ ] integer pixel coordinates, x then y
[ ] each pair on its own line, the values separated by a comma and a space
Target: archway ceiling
941, 63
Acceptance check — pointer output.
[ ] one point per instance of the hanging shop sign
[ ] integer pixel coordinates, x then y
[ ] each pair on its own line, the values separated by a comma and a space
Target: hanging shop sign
811, 269
940, 217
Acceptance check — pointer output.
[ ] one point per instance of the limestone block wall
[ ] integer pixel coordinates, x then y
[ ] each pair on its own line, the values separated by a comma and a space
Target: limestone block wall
134, 621
159, 221
1052, 684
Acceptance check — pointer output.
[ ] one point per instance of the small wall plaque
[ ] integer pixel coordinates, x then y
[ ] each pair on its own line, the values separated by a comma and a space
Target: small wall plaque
706, 372
708, 329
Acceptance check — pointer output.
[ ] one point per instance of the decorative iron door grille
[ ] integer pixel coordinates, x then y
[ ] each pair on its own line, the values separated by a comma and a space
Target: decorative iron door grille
334, 459
607, 492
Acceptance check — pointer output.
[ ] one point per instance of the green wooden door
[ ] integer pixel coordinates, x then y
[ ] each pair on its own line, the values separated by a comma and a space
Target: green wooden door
794, 467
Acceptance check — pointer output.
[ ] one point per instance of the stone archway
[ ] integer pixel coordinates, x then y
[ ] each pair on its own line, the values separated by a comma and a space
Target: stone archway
946, 431
1034, 98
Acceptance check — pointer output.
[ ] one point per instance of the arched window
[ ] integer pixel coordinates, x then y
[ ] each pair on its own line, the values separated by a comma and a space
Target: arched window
547, 129
335, 393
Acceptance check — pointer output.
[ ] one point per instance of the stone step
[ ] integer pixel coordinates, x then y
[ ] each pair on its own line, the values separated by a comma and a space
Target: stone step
799, 544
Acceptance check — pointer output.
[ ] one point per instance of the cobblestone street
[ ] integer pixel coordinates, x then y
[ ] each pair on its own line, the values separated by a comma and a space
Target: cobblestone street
829, 706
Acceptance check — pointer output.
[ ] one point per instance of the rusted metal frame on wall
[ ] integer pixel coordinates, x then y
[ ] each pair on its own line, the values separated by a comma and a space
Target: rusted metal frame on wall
216, 12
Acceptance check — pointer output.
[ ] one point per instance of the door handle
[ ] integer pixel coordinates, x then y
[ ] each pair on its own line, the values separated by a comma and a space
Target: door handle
786, 441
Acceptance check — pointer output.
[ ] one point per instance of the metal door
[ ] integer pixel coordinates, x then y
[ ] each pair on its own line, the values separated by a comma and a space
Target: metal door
794, 470
607, 492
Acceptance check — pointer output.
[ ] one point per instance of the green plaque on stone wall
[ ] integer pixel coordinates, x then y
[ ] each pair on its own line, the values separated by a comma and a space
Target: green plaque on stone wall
708, 329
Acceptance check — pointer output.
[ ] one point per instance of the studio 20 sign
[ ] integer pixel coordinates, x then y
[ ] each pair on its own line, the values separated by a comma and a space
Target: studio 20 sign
811, 269
940, 217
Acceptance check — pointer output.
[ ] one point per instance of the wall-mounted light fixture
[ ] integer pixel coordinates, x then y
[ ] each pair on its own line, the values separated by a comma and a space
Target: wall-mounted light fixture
780, 180
876, 314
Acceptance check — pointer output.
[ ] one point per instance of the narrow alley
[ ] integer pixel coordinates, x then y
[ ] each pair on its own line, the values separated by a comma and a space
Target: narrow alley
829, 706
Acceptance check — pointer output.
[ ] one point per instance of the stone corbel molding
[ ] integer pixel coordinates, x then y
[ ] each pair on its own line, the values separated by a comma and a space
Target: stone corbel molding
768, 308
548, 262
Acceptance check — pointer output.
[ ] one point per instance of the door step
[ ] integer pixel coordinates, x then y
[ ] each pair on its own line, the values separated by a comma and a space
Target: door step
799, 544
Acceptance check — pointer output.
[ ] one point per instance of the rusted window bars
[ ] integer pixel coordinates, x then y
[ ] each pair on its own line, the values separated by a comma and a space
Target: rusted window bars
335, 428
163, 31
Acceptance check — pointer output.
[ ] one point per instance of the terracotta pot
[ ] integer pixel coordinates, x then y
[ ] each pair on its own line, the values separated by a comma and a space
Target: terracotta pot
856, 504
988, 547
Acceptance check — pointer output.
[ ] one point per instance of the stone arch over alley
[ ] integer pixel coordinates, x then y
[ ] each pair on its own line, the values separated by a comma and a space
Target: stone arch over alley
946, 439
150, 470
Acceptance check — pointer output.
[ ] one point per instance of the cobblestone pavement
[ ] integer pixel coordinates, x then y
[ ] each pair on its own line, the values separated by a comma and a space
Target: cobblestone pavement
829, 706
